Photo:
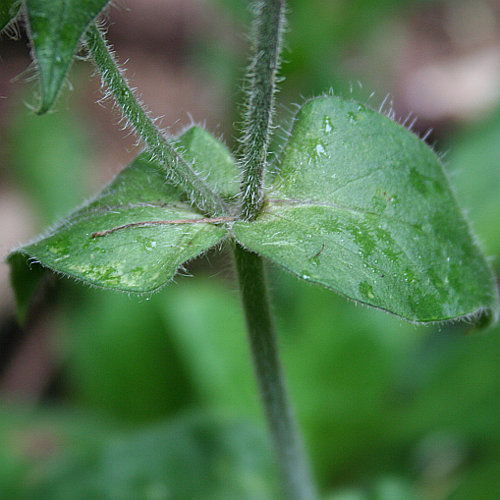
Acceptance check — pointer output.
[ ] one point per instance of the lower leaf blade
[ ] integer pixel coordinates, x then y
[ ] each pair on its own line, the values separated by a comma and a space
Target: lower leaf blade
132, 238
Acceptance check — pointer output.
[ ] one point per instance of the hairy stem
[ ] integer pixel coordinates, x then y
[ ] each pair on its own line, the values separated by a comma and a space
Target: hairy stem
178, 171
261, 86
259, 106
292, 460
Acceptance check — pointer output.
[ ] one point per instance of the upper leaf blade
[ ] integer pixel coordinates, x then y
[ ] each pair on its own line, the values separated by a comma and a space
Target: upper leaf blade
55, 28
8, 11
145, 231
363, 206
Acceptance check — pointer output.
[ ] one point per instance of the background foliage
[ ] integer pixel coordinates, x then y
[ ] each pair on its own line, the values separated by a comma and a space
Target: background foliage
100, 386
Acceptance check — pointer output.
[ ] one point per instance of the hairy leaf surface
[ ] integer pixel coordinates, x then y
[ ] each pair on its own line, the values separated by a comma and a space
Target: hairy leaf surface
212, 159
55, 28
138, 257
363, 206
8, 10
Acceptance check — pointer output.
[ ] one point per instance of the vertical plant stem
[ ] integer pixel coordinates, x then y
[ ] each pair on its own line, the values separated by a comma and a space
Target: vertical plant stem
178, 171
262, 72
292, 460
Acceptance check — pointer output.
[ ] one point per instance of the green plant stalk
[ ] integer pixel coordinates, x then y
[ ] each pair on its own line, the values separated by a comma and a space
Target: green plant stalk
266, 34
261, 82
178, 171
288, 443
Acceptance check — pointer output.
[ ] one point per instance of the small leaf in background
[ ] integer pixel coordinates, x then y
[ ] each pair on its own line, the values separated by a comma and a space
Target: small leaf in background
123, 337
55, 28
362, 206
8, 10
113, 242
206, 324
194, 457
35, 443
51, 168
473, 159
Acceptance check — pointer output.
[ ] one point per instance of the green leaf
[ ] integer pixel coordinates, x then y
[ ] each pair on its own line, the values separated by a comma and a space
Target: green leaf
363, 206
51, 169
193, 313
55, 28
473, 160
130, 343
8, 10
194, 457
66, 435
145, 229
213, 159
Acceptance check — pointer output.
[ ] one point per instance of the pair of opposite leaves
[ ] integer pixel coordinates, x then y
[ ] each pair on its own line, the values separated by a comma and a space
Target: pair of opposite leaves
359, 205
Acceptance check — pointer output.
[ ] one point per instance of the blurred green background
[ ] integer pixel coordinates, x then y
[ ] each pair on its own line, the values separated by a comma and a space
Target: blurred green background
110, 396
